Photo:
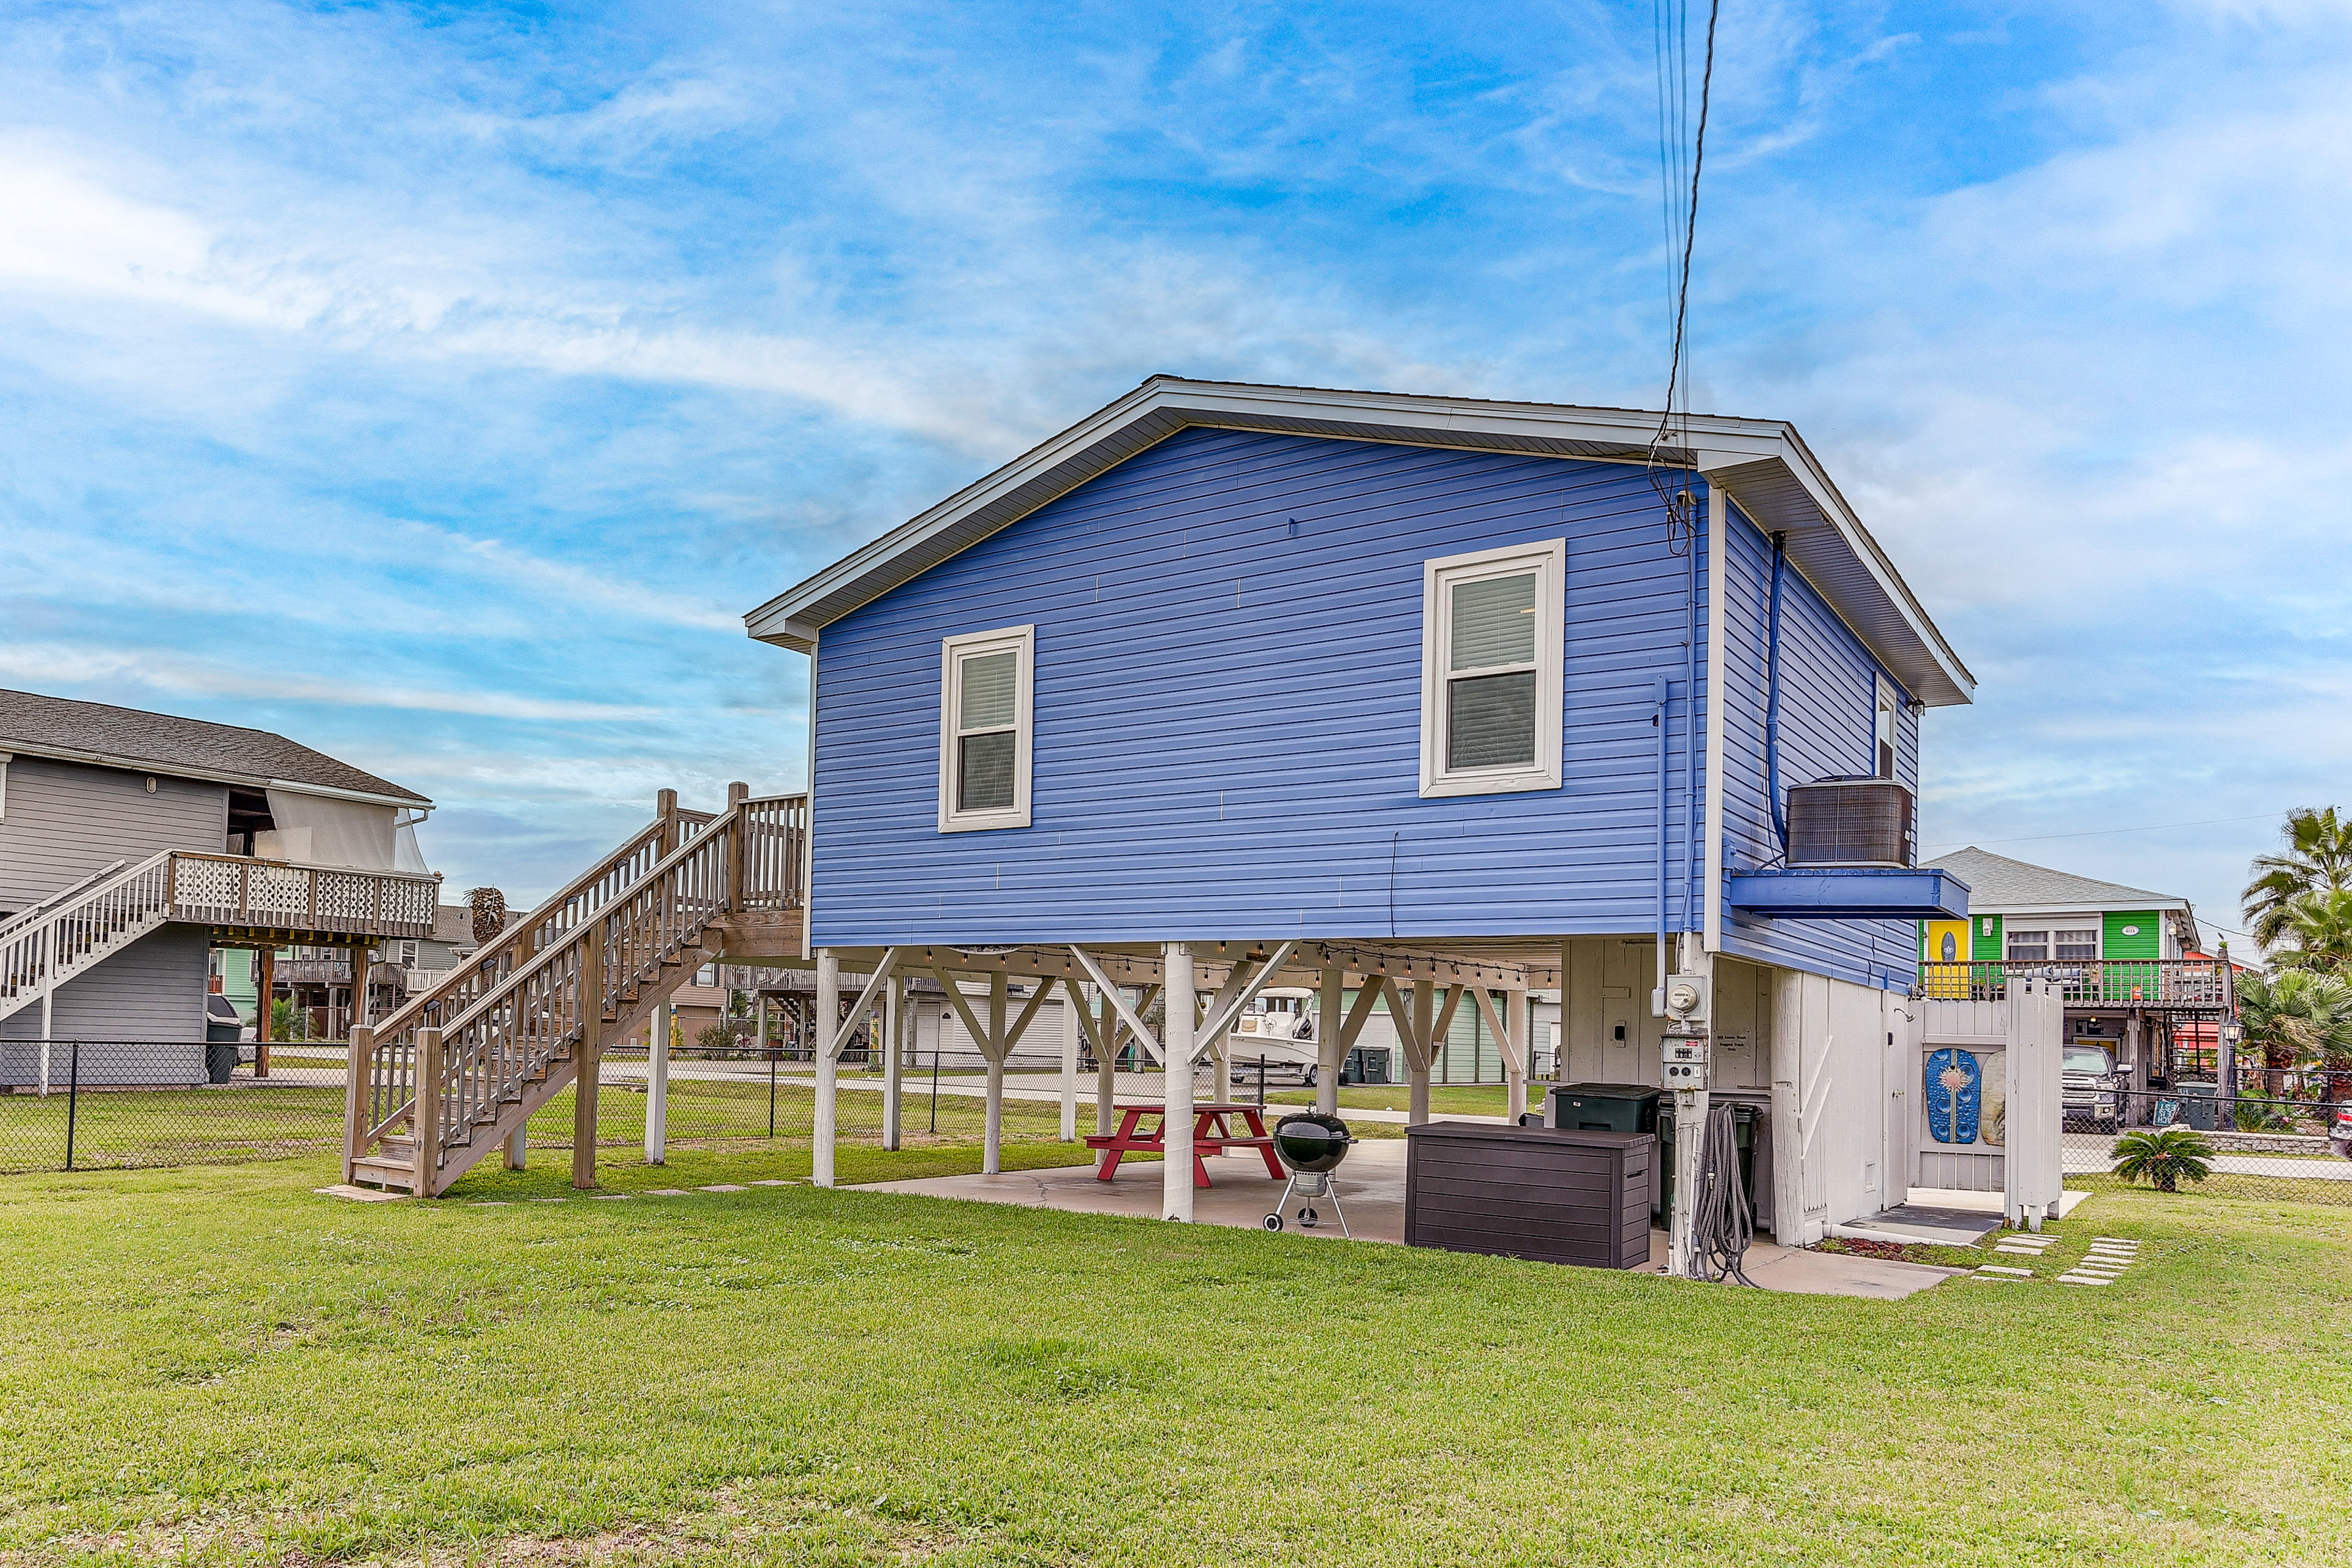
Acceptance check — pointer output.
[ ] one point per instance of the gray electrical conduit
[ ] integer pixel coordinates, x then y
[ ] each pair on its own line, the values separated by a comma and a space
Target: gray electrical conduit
1721, 1227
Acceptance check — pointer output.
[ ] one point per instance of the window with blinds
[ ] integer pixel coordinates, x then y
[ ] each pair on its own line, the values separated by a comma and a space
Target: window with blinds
985, 680
1491, 663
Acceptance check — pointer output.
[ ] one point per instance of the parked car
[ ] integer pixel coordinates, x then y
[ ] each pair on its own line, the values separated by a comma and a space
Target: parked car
2092, 1087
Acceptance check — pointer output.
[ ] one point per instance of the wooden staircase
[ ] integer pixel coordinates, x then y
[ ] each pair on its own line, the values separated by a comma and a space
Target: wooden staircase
527, 1017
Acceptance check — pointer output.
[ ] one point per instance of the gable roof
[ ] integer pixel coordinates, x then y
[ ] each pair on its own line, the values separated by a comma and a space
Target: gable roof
1762, 463
1997, 883
107, 736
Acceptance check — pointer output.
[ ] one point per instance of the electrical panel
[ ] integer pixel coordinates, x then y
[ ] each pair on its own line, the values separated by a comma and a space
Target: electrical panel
1683, 1064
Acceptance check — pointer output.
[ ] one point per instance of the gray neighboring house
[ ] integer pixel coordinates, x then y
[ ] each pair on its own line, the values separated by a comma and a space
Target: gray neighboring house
131, 843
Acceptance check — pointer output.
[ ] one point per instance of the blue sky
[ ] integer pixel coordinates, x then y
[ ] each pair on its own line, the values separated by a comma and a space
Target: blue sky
438, 384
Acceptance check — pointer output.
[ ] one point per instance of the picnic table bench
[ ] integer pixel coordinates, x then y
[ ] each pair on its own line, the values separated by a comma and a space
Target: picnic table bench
1212, 1129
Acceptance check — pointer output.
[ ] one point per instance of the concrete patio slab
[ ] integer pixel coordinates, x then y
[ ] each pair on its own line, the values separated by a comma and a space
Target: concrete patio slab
1370, 1188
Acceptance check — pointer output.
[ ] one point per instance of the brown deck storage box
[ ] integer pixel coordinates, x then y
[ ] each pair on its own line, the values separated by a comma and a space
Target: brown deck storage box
1555, 1195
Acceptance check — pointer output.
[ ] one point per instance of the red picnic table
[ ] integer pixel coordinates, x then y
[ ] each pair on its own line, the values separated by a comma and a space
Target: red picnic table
1212, 1129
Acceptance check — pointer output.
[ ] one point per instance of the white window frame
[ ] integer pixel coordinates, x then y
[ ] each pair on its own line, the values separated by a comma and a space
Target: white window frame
1888, 709
2095, 924
1022, 640
1550, 559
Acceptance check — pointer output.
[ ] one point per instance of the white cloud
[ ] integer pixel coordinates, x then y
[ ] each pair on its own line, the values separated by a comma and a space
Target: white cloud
48, 667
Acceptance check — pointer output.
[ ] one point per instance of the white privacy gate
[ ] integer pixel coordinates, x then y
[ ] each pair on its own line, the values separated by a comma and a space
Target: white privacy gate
1987, 1093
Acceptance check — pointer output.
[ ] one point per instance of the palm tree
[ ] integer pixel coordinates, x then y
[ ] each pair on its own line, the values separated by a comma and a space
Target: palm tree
2301, 1018
2319, 933
2318, 858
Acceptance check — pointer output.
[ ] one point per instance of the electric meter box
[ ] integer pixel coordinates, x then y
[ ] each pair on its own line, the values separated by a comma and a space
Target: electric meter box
1683, 998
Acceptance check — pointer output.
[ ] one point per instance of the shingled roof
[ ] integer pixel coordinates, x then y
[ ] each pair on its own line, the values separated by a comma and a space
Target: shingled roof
1996, 882
96, 733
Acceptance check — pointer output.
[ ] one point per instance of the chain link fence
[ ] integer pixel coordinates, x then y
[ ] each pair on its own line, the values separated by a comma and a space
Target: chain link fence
2261, 1148
122, 1104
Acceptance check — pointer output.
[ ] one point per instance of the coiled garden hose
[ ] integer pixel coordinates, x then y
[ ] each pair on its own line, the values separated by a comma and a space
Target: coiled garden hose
1721, 1227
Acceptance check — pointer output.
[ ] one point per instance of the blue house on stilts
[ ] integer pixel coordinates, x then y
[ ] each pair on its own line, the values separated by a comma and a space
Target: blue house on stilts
1436, 700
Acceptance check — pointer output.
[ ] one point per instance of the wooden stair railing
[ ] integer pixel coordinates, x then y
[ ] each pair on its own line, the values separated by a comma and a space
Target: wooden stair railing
495, 1042
83, 925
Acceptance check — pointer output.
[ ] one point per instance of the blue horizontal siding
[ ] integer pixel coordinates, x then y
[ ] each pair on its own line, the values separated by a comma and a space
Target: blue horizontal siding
1227, 718
1828, 708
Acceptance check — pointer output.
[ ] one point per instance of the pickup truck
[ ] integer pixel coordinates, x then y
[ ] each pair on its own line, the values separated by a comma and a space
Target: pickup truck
2092, 1087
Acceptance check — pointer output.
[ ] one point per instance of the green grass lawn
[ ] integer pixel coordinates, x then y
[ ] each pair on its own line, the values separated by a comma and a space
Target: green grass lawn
216, 1366
1444, 1100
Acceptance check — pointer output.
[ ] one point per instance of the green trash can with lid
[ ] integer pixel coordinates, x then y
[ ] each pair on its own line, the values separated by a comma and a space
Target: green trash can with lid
1745, 1118
1603, 1107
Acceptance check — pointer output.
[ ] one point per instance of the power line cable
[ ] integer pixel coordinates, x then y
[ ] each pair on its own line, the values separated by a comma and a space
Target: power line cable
1678, 501
2102, 831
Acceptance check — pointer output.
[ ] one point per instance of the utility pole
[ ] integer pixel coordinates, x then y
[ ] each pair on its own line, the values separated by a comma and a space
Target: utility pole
1685, 1002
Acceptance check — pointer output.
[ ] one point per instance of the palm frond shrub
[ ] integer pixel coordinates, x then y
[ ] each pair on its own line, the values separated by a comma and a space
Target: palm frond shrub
2160, 1156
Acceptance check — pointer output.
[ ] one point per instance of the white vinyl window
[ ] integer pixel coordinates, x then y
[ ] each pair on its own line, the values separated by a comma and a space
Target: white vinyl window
1884, 733
984, 681
1492, 628
2080, 944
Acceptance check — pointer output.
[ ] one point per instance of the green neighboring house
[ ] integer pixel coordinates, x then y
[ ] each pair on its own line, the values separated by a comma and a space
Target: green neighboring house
2137, 984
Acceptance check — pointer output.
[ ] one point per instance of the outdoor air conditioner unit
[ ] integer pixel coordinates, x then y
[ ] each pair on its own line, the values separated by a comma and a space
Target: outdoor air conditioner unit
1850, 822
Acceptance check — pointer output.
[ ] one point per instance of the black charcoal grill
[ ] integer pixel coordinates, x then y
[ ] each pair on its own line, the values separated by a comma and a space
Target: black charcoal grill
1312, 1144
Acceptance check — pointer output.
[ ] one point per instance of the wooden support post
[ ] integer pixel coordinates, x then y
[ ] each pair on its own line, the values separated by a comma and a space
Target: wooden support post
1420, 1052
516, 1153
359, 1017
737, 794
355, 1095
424, 1118
1690, 1135
894, 1029
991, 1153
1069, 1069
590, 1002
1330, 1046
1508, 1024
1176, 1066
828, 1066
657, 1087
1106, 1065
266, 965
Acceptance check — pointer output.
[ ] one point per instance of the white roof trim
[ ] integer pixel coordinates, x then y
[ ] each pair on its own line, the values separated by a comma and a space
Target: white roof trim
1762, 463
2089, 911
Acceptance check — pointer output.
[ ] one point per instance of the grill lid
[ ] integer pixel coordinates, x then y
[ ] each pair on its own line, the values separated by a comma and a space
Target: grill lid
1310, 1140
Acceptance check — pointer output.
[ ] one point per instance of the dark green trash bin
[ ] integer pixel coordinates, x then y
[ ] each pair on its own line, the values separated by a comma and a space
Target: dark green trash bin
1744, 1119
2199, 1105
1604, 1107
220, 1060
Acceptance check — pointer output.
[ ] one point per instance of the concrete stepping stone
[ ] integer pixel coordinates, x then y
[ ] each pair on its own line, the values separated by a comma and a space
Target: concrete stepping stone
777, 1182
1995, 1268
723, 1187
665, 1192
550, 1200
2086, 1280
489, 1203
611, 1197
